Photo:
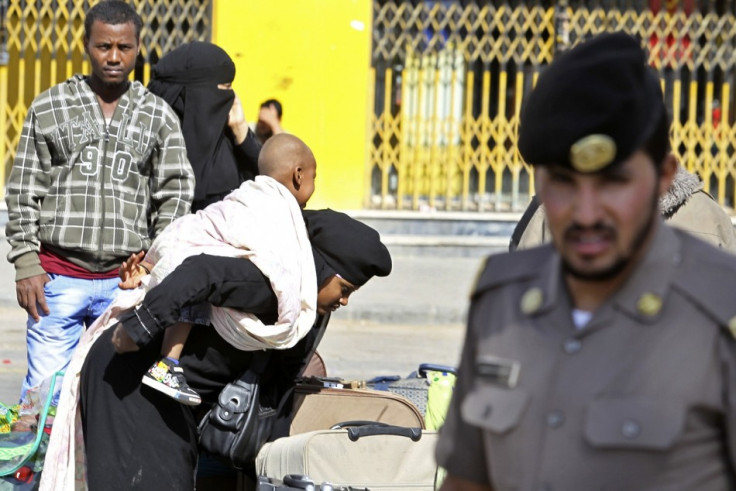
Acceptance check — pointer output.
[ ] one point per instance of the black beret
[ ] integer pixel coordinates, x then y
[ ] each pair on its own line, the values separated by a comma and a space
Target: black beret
593, 106
350, 248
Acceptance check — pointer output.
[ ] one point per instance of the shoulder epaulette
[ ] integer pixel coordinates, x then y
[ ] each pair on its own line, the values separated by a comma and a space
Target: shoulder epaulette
707, 277
500, 269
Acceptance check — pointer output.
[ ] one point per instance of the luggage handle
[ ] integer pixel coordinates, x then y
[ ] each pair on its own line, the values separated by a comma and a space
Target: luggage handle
382, 379
357, 422
358, 428
374, 428
299, 481
426, 367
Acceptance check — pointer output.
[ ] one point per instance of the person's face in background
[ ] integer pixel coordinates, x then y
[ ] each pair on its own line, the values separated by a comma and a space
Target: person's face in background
268, 117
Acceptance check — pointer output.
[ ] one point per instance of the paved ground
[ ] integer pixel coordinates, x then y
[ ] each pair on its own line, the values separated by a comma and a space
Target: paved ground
12, 352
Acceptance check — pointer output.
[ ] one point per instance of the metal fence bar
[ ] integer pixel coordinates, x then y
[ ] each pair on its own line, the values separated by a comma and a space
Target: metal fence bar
3, 92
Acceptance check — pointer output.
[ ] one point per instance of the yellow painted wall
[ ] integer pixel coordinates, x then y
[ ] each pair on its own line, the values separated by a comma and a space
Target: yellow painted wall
314, 57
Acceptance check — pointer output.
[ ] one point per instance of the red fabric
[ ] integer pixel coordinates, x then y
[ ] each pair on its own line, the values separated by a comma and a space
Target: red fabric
55, 264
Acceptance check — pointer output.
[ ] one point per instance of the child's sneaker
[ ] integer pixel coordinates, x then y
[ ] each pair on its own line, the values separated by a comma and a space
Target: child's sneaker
167, 377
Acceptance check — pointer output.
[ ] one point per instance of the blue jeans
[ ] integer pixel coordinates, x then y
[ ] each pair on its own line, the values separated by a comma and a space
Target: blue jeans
74, 304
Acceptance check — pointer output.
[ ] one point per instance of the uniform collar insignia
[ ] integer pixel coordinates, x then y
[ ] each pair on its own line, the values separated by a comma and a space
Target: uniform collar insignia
532, 300
645, 292
649, 304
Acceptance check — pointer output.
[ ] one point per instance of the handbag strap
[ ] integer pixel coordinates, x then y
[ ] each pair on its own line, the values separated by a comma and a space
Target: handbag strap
315, 340
257, 365
523, 223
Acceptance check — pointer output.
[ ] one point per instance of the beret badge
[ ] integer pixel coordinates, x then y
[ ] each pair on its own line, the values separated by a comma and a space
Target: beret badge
592, 153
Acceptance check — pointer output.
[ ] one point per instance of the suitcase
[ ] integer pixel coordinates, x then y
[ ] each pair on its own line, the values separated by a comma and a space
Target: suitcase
320, 408
373, 456
414, 387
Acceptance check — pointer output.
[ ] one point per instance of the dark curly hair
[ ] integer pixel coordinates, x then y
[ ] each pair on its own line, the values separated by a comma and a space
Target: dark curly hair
112, 12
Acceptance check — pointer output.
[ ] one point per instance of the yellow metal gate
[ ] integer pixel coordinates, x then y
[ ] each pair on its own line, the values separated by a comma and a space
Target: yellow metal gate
42, 44
450, 77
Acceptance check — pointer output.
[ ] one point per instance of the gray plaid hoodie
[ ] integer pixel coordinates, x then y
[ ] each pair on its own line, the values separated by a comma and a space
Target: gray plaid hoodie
94, 192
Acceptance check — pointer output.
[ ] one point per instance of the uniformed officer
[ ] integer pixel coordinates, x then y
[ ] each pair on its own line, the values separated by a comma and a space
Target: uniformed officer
605, 360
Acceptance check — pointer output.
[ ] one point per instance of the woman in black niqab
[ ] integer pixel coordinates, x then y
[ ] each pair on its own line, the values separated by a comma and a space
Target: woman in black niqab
187, 78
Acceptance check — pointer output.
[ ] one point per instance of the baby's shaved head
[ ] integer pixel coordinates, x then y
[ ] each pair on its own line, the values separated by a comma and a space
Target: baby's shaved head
289, 160
281, 153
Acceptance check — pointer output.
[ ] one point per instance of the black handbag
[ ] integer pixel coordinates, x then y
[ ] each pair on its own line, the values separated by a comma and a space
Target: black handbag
248, 413
239, 424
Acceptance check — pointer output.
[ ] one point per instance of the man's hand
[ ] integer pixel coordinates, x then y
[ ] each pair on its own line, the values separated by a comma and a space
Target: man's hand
122, 342
30, 294
132, 270
236, 121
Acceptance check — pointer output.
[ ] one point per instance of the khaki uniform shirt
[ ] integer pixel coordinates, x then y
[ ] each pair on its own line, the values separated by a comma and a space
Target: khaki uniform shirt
642, 398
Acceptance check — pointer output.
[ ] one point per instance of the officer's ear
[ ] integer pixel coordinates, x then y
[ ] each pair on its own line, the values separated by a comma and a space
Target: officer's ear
667, 171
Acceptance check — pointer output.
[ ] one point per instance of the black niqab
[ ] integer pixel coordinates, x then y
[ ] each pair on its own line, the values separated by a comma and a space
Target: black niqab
187, 79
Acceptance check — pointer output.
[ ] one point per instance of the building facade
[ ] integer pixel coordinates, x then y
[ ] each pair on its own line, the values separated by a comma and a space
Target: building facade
408, 105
